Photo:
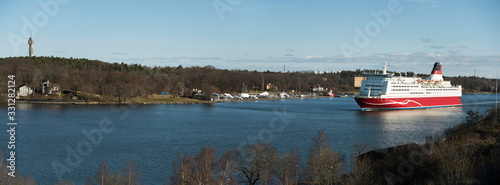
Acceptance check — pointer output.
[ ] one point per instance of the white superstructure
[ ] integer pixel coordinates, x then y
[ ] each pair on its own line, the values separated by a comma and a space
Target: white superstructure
386, 85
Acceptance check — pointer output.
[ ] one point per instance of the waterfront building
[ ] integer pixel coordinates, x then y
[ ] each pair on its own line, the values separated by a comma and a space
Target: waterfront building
50, 88
24, 91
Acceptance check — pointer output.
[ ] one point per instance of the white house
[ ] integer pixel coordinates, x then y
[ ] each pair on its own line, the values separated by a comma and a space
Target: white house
24, 91
317, 88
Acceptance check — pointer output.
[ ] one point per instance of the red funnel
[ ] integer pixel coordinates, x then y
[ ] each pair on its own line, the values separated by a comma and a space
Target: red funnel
437, 69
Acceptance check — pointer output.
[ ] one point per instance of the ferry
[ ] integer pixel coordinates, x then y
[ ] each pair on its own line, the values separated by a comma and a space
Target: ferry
387, 92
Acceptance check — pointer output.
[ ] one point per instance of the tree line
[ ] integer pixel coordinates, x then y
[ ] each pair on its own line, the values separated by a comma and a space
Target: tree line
131, 80
260, 163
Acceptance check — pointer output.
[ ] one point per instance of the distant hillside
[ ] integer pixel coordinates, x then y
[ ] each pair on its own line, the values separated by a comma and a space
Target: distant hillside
131, 80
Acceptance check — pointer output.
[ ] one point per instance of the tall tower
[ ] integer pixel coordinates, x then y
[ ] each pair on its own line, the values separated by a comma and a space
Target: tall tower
31, 42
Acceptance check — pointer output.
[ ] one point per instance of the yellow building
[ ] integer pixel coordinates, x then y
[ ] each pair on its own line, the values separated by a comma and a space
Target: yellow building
356, 81
270, 86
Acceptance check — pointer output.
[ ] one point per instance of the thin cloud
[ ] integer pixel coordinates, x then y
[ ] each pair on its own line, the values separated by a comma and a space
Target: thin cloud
428, 40
298, 60
169, 59
130, 59
461, 46
453, 52
159, 58
289, 50
314, 57
119, 53
196, 58
434, 47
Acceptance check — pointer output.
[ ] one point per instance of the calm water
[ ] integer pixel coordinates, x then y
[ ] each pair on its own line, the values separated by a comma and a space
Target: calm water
153, 135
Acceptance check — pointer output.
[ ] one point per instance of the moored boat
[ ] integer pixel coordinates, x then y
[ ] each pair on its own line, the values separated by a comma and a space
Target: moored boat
330, 93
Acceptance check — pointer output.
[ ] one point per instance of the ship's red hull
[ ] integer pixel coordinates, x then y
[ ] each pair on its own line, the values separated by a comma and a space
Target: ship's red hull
407, 103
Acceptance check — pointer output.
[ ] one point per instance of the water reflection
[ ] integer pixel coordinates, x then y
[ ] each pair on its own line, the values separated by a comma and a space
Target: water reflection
24, 106
402, 126
394, 118
57, 108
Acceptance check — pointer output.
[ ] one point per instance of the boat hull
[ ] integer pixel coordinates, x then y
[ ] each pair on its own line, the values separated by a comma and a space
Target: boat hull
368, 104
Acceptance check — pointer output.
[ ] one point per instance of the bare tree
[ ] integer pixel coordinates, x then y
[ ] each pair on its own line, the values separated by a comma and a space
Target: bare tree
324, 163
204, 164
286, 166
183, 171
36, 78
254, 162
5, 179
208, 91
179, 89
76, 82
203, 169
224, 170
362, 170
90, 181
132, 173
102, 177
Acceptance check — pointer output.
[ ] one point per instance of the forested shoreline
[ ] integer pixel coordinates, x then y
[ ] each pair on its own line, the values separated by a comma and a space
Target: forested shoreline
95, 80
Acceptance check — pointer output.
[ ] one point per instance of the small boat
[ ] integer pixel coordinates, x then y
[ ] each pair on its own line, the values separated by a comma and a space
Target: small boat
330, 93
284, 95
341, 95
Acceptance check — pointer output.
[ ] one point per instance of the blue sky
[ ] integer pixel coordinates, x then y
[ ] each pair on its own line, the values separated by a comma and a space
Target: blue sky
241, 34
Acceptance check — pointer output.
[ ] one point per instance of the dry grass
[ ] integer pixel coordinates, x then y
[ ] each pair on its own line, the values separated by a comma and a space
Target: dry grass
164, 99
